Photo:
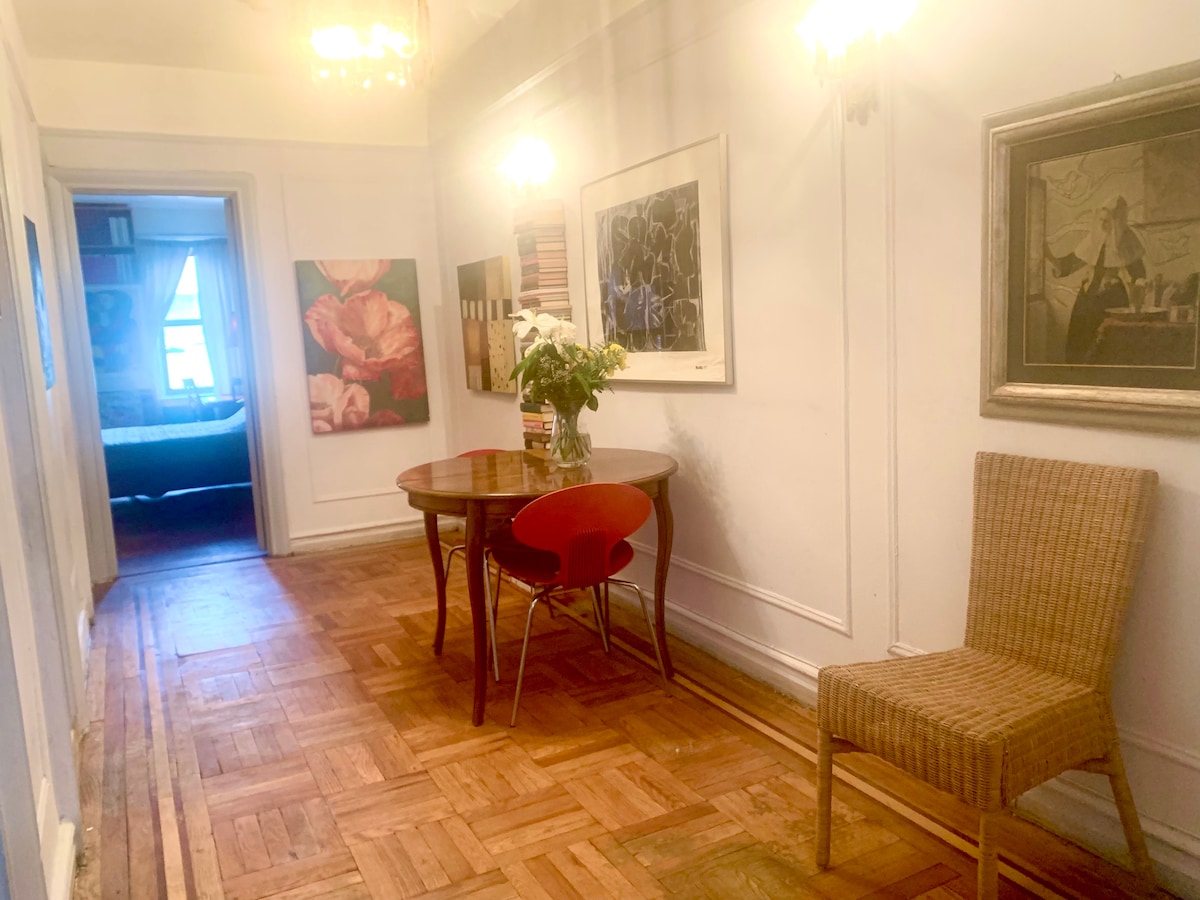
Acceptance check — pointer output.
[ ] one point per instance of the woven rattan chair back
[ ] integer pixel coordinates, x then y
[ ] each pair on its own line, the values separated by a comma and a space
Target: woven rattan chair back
1055, 547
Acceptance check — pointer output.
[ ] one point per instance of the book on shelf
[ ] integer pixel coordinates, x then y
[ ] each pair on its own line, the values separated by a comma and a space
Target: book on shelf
535, 406
547, 293
532, 265
539, 214
533, 246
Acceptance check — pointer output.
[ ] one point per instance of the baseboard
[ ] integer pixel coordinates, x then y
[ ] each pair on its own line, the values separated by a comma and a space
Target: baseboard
789, 674
356, 537
62, 873
1093, 822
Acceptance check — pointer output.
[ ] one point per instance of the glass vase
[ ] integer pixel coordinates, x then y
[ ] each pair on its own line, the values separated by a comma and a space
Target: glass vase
570, 443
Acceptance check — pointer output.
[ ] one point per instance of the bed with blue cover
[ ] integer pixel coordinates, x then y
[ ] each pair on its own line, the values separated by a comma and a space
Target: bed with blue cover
152, 460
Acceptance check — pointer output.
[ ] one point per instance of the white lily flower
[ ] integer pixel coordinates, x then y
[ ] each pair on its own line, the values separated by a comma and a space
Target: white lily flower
547, 326
562, 332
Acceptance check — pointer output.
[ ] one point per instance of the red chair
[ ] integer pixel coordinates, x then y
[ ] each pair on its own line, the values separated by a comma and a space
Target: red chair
501, 534
574, 538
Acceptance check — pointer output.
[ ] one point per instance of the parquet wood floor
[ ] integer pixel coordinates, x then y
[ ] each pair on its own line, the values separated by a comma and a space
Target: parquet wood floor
281, 728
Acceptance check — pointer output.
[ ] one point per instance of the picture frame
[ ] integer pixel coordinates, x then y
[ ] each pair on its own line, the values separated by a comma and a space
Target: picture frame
364, 354
1091, 257
656, 265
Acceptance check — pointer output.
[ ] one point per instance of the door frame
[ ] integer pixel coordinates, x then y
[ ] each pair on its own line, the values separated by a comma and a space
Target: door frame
64, 186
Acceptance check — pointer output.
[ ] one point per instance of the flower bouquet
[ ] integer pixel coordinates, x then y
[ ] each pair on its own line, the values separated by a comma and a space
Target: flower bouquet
556, 370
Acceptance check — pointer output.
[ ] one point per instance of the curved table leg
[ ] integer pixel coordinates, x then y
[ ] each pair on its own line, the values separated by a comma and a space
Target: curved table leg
439, 577
662, 560
475, 590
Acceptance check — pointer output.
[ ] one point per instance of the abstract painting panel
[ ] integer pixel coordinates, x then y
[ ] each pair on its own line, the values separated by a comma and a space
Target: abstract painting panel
656, 257
489, 348
362, 343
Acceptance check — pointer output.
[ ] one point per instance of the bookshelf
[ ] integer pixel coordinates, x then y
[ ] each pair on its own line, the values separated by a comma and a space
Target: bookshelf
540, 228
106, 247
108, 259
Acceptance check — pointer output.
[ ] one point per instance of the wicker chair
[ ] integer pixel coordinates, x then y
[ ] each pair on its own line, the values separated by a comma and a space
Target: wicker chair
1055, 546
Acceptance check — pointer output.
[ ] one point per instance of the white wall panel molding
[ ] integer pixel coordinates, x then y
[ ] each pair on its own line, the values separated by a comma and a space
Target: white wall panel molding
1091, 819
794, 676
892, 491
1184, 756
355, 495
780, 601
898, 649
340, 538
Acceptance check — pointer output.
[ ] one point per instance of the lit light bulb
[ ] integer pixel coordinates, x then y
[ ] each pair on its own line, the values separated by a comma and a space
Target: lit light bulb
833, 25
529, 162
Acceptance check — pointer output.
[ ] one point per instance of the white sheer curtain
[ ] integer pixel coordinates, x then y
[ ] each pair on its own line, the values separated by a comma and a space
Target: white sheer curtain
216, 306
161, 263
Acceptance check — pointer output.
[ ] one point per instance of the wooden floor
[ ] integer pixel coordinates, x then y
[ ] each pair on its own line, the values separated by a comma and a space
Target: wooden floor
281, 728
186, 528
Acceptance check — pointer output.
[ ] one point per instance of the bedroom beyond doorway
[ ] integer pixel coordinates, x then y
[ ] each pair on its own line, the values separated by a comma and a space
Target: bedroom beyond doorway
163, 308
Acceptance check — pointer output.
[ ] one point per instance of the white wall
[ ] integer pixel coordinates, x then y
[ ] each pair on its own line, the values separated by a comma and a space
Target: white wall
162, 100
307, 202
823, 501
44, 578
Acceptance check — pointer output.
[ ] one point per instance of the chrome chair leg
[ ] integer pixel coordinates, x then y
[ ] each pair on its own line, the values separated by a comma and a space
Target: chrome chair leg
600, 623
524, 650
650, 628
491, 613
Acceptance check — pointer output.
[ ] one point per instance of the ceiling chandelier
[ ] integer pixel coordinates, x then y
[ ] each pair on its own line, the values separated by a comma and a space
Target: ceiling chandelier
367, 43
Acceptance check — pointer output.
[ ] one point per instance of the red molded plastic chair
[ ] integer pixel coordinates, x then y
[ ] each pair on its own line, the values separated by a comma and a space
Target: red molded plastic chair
571, 539
487, 581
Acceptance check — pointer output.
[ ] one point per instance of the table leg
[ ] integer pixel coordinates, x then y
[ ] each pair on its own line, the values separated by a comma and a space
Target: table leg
662, 560
475, 590
439, 577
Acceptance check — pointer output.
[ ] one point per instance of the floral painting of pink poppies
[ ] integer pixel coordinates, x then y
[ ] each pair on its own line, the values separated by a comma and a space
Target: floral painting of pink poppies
362, 343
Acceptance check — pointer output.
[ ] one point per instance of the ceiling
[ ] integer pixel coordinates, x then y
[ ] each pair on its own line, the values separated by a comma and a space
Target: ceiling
245, 36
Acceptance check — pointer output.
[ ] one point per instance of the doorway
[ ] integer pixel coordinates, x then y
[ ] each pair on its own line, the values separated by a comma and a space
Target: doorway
164, 305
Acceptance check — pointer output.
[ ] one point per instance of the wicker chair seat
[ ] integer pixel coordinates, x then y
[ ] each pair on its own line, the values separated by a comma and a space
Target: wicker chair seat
951, 718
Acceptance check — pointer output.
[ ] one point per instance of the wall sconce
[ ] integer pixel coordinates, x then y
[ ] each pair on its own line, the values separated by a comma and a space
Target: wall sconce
530, 162
844, 38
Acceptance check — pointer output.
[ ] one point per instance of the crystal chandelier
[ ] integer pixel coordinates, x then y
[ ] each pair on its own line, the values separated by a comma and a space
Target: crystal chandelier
367, 43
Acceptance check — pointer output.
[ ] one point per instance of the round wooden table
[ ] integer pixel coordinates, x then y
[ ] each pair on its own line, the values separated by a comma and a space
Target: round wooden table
496, 486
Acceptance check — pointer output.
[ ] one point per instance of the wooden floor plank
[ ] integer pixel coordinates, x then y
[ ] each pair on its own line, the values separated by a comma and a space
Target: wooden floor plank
280, 728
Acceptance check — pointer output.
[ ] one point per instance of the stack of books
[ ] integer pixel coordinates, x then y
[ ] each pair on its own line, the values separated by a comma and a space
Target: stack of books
542, 245
537, 420
540, 228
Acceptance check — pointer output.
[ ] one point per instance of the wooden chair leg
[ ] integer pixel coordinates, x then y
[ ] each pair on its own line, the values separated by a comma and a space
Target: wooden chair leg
1132, 826
824, 794
987, 882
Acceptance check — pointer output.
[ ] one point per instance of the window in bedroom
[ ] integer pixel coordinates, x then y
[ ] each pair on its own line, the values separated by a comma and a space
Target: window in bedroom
184, 349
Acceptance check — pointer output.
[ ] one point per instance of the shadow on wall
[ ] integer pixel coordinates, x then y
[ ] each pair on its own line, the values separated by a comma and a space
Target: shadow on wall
698, 495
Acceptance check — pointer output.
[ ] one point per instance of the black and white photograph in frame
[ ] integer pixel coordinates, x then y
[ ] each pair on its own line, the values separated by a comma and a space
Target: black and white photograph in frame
656, 264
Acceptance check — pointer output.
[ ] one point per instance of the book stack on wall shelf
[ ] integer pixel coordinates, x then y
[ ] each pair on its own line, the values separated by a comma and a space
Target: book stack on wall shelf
540, 227
536, 422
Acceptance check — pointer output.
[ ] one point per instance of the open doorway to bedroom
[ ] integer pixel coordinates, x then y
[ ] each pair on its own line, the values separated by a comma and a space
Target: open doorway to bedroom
162, 293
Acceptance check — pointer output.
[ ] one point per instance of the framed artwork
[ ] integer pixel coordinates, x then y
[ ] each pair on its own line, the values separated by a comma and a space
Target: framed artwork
45, 340
1092, 256
489, 348
656, 264
362, 343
